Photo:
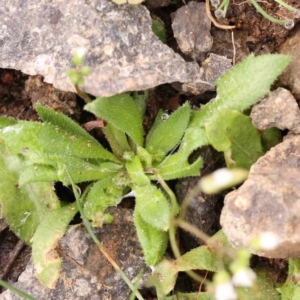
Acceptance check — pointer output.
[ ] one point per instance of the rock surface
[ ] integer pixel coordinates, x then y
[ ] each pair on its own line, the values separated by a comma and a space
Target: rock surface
40, 38
191, 27
268, 201
279, 109
291, 75
86, 274
212, 68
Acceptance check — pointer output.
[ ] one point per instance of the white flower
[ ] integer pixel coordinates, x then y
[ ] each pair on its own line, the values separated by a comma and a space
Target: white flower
244, 277
222, 177
225, 291
268, 240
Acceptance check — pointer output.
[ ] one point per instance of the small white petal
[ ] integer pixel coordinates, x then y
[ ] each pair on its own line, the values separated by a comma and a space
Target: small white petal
80, 52
222, 177
244, 277
268, 240
225, 291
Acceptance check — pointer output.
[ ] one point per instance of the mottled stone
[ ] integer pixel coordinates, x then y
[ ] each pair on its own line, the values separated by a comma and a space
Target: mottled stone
212, 68
268, 201
279, 109
291, 75
39, 38
86, 273
191, 27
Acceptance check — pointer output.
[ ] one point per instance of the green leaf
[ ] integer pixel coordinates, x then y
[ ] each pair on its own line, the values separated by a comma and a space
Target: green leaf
45, 258
169, 132
290, 290
135, 170
4, 122
26, 206
158, 27
58, 141
38, 173
152, 206
264, 289
270, 138
244, 85
233, 133
139, 99
201, 258
102, 195
153, 241
34, 140
62, 121
249, 81
117, 140
122, 112
177, 165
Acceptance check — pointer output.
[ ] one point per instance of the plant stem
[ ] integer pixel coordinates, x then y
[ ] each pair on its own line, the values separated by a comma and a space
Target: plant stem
172, 229
267, 16
97, 242
16, 291
82, 94
282, 3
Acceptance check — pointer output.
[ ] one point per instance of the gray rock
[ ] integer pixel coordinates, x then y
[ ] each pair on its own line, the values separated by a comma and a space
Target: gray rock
39, 38
291, 75
86, 273
191, 27
268, 201
212, 68
279, 109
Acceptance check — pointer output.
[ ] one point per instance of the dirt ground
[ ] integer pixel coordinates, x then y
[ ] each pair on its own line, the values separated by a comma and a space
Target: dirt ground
260, 36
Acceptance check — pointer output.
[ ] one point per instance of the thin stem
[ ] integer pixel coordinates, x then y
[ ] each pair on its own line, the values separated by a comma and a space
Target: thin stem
172, 229
97, 242
16, 291
82, 94
267, 16
193, 230
207, 7
282, 3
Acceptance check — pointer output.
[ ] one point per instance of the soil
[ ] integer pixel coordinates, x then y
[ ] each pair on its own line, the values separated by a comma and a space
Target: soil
261, 36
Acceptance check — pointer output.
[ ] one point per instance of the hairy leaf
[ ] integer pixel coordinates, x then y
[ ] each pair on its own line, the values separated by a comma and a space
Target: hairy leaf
38, 173
35, 140
153, 241
290, 290
58, 141
117, 140
45, 258
26, 206
244, 85
152, 206
178, 165
62, 121
102, 195
201, 258
169, 132
122, 112
135, 170
4, 122
233, 133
